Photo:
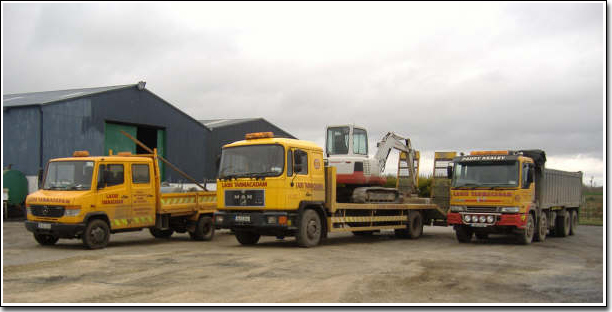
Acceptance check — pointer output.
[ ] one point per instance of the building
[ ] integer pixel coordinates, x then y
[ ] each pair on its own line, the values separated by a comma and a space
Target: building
43, 125
226, 131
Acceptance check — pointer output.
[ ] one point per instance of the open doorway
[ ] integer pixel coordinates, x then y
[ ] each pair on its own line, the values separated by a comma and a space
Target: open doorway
148, 136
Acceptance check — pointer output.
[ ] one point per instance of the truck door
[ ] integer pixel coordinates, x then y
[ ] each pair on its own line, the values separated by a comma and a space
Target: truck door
114, 194
298, 177
143, 194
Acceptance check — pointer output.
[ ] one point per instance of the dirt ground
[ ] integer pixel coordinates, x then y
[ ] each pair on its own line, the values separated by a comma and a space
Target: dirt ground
137, 268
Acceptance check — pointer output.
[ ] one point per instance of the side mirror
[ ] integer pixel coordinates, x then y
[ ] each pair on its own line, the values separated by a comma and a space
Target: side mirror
449, 172
530, 176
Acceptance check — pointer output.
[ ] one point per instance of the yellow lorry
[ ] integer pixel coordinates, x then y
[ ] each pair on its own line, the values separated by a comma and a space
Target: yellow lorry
283, 187
92, 197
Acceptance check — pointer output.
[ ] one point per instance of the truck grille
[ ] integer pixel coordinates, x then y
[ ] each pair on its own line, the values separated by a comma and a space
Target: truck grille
242, 198
482, 209
48, 211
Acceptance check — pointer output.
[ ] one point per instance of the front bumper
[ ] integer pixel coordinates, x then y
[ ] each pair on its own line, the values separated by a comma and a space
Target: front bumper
257, 221
61, 230
518, 220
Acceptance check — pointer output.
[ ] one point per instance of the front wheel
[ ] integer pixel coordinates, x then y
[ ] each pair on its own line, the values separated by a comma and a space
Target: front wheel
246, 237
464, 234
309, 233
96, 234
526, 235
46, 239
204, 230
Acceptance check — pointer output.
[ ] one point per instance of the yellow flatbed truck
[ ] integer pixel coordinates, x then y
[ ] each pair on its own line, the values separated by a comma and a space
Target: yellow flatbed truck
92, 197
282, 187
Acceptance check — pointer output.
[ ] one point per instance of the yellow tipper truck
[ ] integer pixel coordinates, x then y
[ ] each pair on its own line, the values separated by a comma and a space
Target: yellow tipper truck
92, 197
511, 192
282, 187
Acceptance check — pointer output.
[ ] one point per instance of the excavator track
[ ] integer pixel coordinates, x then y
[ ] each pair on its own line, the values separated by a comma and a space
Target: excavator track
375, 194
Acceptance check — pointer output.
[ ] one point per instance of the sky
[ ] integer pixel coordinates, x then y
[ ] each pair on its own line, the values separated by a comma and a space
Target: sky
450, 76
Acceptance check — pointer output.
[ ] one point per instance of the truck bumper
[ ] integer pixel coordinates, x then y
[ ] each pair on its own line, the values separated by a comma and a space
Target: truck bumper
517, 220
276, 223
60, 230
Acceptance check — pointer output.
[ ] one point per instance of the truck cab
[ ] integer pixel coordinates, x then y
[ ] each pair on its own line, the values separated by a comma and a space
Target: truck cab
265, 183
118, 190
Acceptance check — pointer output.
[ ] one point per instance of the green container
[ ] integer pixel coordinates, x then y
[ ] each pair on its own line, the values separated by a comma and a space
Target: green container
17, 184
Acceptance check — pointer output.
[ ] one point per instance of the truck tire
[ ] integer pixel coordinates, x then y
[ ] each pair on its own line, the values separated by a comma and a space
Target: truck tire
415, 225
540, 234
464, 234
46, 239
526, 235
246, 237
574, 225
310, 231
204, 230
96, 234
157, 233
563, 225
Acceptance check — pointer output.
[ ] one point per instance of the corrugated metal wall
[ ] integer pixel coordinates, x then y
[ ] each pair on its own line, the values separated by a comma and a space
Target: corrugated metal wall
79, 125
236, 132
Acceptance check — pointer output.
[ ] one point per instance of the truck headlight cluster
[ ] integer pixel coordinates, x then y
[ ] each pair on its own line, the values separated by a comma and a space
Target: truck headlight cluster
479, 218
510, 209
72, 212
271, 219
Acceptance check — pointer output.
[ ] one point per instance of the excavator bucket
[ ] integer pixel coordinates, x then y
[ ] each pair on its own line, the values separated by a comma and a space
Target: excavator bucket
440, 182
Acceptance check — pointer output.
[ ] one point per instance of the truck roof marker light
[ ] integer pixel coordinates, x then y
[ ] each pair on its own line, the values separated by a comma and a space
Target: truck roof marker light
489, 153
124, 154
80, 154
258, 135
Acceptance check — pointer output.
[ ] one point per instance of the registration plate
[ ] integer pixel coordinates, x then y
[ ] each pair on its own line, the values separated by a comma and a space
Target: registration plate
45, 226
243, 219
479, 225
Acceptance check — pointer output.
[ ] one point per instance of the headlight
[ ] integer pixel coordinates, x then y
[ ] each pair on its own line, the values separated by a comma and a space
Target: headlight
490, 219
219, 219
71, 212
29, 210
467, 218
271, 219
510, 209
457, 208
474, 218
483, 219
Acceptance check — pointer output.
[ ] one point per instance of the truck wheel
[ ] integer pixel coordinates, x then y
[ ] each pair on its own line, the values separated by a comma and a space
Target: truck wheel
46, 239
526, 236
157, 233
482, 235
540, 235
204, 230
96, 234
247, 238
574, 226
464, 234
415, 225
309, 233
562, 227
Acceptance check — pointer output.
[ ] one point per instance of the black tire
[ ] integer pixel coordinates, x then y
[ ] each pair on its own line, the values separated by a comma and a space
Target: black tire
204, 231
310, 232
464, 234
46, 239
526, 236
574, 222
96, 234
415, 225
482, 235
563, 225
246, 237
157, 233
542, 227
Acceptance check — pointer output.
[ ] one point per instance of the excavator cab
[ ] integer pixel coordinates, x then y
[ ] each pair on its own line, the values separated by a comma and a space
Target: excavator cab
346, 140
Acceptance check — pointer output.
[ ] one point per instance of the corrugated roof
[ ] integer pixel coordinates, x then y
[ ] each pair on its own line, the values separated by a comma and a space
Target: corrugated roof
46, 97
219, 123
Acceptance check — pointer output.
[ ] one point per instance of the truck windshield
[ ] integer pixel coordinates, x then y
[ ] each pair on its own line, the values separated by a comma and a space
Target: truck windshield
252, 161
486, 174
338, 140
69, 175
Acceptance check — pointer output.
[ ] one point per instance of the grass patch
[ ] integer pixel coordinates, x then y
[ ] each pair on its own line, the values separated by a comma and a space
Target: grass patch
597, 222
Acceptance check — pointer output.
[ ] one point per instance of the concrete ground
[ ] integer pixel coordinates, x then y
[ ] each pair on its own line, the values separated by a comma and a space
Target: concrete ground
137, 268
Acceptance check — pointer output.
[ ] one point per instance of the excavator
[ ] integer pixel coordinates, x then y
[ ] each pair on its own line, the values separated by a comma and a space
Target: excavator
359, 176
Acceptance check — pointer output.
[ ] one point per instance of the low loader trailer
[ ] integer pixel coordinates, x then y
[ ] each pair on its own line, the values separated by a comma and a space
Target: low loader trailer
283, 187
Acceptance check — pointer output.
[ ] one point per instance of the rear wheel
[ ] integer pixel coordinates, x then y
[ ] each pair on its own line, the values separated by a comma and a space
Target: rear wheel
204, 230
96, 234
464, 234
540, 235
415, 225
46, 239
574, 226
526, 235
158, 233
309, 233
247, 238
563, 225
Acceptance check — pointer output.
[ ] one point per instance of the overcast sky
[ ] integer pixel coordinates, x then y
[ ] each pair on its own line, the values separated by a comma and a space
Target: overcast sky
451, 76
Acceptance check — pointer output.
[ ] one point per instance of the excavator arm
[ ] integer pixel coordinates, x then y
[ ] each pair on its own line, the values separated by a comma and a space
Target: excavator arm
393, 141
